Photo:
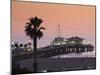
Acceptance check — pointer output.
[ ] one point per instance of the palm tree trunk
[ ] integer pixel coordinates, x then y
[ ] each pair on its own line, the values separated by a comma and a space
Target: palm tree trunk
35, 54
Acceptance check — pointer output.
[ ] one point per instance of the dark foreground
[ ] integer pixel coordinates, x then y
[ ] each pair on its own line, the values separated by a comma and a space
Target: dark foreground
56, 65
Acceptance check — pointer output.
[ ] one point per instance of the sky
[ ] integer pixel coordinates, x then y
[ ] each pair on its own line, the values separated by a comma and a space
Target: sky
74, 20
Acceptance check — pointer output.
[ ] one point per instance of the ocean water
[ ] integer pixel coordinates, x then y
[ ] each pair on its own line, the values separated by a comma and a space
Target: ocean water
74, 55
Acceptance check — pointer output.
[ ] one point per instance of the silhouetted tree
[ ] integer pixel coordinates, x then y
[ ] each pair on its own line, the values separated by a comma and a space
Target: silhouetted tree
25, 45
21, 45
16, 45
33, 30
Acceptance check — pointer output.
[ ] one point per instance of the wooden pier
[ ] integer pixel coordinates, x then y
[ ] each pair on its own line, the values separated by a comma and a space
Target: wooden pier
54, 51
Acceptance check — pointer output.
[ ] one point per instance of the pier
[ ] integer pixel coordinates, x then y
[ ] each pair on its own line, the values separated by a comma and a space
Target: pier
54, 51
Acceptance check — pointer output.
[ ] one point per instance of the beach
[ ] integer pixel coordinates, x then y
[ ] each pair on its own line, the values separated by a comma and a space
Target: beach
60, 64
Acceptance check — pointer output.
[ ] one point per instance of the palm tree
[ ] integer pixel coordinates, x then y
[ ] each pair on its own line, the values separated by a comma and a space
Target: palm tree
33, 30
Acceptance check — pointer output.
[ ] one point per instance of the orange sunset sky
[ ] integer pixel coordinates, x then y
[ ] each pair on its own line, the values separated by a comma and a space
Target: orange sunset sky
74, 20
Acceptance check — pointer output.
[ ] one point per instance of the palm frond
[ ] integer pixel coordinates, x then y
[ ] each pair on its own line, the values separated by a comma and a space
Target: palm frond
30, 32
31, 20
28, 24
39, 34
35, 21
42, 28
39, 21
27, 28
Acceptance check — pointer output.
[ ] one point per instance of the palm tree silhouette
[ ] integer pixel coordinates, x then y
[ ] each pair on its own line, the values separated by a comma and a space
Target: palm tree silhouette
33, 30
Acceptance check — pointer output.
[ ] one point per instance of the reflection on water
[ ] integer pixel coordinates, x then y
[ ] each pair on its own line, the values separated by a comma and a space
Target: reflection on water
85, 54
